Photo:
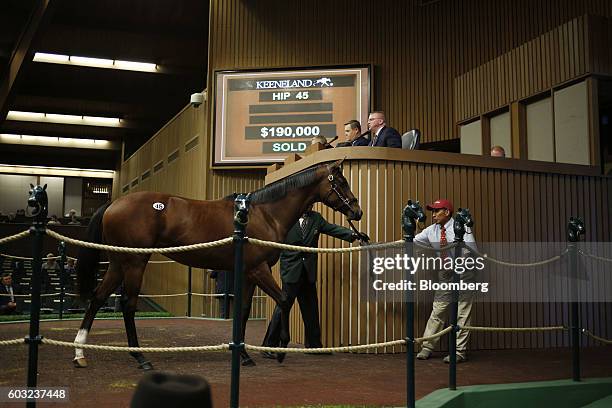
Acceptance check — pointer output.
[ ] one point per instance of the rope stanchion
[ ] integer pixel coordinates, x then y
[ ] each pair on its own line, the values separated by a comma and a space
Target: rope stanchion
151, 262
598, 258
588, 333
225, 347
15, 237
26, 258
288, 247
111, 248
513, 329
346, 349
342, 349
163, 296
12, 342
520, 265
209, 294
220, 347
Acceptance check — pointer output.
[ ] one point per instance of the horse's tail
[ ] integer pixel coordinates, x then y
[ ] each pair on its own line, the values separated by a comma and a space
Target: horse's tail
88, 260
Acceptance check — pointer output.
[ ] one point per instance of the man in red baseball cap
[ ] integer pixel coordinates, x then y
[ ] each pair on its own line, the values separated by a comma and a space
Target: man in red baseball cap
438, 235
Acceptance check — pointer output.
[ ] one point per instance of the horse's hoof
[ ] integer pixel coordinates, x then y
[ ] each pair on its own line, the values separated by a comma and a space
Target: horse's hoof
280, 357
248, 362
80, 362
146, 366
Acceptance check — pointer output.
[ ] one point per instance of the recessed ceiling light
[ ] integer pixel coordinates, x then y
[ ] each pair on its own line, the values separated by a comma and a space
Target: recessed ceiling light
53, 141
56, 171
95, 62
59, 118
51, 58
92, 62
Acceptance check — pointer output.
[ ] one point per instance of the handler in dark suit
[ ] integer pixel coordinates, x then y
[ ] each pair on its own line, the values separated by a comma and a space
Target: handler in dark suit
352, 135
299, 276
382, 135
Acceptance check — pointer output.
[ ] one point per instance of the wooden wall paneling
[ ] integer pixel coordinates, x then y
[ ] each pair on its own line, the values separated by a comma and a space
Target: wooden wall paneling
352, 328
324, 281
389, 219
369, 198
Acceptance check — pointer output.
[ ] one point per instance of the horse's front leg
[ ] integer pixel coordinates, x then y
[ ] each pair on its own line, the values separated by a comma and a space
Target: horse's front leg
262, 276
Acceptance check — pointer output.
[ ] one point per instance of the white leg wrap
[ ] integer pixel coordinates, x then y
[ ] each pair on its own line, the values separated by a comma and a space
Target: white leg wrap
80, 338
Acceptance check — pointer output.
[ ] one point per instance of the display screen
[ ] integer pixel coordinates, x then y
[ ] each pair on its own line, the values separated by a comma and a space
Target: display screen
263, 116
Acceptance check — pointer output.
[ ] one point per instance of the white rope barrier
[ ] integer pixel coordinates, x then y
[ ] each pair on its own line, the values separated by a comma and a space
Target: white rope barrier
341, 349
15, 237
595, 337
220, 347
513, 329
598, 258
112, 248
288, 247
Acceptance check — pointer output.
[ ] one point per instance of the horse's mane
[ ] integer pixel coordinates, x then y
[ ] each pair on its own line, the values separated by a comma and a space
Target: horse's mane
279, 189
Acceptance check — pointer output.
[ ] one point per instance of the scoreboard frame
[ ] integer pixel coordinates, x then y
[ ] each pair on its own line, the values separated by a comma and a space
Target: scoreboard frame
219, 112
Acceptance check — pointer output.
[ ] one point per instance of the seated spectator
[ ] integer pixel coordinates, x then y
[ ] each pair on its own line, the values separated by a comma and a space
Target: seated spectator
74, 220
382, 135
50, 267
352, 135
498, 151
20, 213
70, 267
11, 218
70, 275
8, 304
53, 220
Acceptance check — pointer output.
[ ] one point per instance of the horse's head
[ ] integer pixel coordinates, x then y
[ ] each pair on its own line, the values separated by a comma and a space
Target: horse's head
337, 194
38, 201
575, 228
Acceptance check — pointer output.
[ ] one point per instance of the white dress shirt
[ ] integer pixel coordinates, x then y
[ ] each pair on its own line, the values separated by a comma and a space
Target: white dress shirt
431, 235
9, 290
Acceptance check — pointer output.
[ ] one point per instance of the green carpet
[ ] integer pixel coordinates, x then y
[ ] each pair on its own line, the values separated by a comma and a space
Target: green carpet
592, 393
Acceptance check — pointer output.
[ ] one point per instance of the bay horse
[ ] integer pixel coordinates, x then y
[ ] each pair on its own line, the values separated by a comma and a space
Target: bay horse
150, 219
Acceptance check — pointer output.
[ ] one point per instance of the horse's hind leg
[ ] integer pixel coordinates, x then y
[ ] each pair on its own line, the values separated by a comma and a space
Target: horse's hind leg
131, 286
247, 301
111, 280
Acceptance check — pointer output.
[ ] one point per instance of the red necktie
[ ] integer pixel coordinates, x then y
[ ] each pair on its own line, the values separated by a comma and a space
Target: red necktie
443, 242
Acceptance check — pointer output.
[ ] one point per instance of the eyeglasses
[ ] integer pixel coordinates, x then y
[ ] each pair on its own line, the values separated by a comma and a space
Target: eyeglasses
371, 119
436, 210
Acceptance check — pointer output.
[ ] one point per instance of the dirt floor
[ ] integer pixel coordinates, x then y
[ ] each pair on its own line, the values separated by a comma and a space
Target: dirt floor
372, 380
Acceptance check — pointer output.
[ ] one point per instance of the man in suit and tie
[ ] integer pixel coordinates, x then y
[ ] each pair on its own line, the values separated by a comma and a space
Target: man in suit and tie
8, 305
382, 135
299, 275
352, 135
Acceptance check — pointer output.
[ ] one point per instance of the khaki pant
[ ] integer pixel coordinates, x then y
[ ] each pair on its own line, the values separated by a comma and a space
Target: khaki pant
435, 324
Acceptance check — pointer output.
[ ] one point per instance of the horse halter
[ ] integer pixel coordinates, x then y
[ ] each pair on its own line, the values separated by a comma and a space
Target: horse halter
334, 189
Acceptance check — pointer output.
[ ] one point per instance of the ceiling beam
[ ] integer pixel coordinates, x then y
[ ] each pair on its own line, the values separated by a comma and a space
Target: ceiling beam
22, 53
78, 131
107, 84
158, 48
149, 108
53, 156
